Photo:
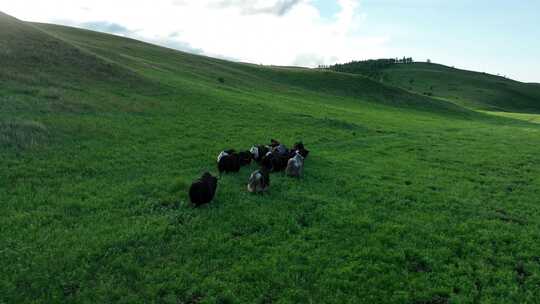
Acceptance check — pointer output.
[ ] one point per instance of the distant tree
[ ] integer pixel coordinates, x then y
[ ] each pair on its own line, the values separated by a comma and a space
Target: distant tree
429, 61
221, 80
370, 68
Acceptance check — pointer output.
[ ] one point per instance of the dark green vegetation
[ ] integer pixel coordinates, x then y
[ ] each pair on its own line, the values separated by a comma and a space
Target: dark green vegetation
405, 199
369, 68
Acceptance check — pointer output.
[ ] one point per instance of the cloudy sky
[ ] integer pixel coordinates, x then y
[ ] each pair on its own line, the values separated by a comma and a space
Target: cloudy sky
497, 36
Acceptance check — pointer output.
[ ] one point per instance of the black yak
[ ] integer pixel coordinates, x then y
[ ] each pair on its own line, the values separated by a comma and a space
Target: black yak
259, 181
202, 191
299, 146
245, 158
274, 162
228, 161
231, 161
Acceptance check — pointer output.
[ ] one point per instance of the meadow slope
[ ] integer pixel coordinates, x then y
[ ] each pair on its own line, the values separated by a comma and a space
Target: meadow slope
405, 198
467, 88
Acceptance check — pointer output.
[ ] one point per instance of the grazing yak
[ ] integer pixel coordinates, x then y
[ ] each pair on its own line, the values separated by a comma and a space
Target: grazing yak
231, 161
258, 152
228, 161
259, 181
299, 146
274, 162
244, 158
202, 191
278, 148
225, 153
295, 166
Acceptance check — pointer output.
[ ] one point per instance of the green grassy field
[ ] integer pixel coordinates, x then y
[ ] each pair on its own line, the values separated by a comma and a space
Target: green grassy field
405, 198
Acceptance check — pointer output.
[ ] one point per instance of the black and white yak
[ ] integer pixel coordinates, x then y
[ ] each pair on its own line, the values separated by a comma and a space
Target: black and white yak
295, 165
231, 161
258, 152
259, 181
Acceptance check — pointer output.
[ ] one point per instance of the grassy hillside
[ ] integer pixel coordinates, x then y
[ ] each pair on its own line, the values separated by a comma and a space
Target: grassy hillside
405, 199
43, 75
470, 89
466, 88
172, 66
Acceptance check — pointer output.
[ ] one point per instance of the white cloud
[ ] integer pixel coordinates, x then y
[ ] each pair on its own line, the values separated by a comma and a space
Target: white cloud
281, 32
280, 7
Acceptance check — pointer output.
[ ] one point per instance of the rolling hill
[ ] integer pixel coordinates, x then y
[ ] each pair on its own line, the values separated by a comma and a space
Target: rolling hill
466, 88
405, 198
480, 91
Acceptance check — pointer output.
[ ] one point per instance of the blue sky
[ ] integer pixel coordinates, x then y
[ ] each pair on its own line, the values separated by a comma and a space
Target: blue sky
327, 8
498, 37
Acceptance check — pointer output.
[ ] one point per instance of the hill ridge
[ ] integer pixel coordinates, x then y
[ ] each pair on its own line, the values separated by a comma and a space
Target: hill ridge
26, 47
173, 63
471, 89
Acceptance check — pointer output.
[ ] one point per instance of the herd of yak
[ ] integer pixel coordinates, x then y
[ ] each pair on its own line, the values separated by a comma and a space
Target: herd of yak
271, 158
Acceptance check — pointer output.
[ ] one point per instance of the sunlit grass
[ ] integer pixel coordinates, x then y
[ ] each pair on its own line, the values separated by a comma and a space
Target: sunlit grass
532, 118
